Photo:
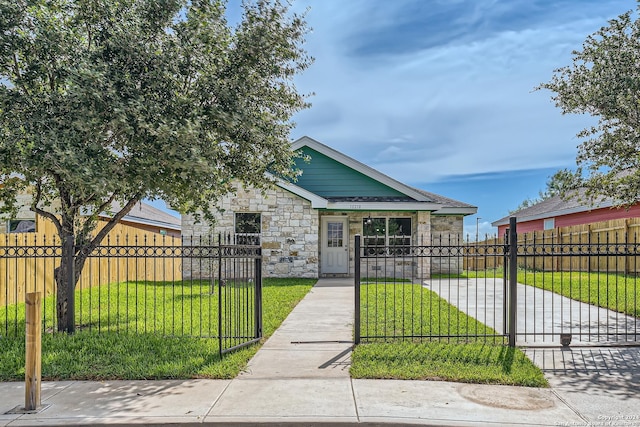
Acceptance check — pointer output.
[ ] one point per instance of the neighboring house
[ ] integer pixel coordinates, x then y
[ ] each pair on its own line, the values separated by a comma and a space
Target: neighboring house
556, 212
25, 219
307, 228
145, 217
142, 217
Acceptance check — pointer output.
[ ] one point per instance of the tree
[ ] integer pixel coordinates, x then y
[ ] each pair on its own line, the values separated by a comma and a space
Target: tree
105, 101
604, 81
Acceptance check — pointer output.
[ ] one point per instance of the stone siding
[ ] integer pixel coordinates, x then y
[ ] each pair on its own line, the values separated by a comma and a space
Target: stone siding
289, 236
447, 230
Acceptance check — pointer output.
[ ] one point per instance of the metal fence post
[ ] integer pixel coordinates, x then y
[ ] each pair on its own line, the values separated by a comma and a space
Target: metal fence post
356, 333
220, 287
69, 261
258, 294
513, 280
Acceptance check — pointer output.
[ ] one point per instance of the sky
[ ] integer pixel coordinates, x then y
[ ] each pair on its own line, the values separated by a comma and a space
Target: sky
440, 94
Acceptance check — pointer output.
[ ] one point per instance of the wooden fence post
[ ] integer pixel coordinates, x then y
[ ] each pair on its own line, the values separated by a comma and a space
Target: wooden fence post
33, 357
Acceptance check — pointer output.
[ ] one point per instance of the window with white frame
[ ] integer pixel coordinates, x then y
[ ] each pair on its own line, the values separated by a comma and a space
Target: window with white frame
549, 223
21, 226
386, 232
247, 228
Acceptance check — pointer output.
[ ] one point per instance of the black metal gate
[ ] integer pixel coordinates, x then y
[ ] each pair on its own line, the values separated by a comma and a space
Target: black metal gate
171, 287
512, 291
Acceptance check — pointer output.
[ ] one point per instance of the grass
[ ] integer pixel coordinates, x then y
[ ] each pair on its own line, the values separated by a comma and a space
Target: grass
170, 308
394, 314
480, 363
617, 292
143, 354
406, 310
131, 349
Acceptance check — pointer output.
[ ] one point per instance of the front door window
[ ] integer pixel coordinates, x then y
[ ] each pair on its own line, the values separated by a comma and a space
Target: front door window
335, 234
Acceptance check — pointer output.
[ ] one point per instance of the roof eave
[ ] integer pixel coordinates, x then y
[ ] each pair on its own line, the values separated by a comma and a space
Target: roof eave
561, 212
317, 202
143, 221
383, 206
469, 210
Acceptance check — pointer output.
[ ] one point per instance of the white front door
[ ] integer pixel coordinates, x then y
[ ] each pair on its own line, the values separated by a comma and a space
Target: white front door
335, 250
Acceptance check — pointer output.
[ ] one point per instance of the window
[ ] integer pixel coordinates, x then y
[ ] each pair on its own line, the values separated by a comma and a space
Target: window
248, 227
549, 224
382, 232
21, 226
335, 234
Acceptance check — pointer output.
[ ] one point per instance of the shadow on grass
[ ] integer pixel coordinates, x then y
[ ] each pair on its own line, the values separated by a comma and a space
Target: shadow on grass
436, 360
111, 355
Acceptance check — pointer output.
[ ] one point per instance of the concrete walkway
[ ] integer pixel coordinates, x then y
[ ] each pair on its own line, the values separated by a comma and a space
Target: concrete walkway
542, 315
300, 376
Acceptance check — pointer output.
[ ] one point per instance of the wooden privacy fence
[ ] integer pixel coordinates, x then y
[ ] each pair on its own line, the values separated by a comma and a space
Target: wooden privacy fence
27, 261
587, 247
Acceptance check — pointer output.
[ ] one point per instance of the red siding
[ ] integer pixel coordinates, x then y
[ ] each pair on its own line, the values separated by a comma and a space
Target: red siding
588, 217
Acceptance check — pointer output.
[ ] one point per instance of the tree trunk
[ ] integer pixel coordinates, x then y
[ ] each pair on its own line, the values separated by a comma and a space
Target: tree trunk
73, 260
66, 283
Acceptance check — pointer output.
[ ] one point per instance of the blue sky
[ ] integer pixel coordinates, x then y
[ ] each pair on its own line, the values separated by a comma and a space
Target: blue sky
439, 94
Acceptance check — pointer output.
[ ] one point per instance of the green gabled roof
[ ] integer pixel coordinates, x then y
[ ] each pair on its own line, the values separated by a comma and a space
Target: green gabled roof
335, 176
331, 179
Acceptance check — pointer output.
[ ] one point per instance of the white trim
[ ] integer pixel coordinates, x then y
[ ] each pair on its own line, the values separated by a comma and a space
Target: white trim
360, 167
383, 206
317, 202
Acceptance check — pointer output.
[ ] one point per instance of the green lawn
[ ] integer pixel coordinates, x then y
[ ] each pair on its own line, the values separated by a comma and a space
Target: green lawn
392, 310
482, 363
617, 292
468, 351
180, 308
130, 349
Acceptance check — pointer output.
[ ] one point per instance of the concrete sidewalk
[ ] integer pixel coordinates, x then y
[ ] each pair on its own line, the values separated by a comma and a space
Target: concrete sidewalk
300, 376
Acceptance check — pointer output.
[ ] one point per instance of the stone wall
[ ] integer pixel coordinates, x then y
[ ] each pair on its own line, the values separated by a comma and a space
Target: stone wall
447, 230
289, 236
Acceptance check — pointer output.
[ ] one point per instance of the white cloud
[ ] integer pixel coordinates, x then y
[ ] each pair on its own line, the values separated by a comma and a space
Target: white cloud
457, 108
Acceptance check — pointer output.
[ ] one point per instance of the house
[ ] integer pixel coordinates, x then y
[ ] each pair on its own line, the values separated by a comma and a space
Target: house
143, 217
556, 212
307, 228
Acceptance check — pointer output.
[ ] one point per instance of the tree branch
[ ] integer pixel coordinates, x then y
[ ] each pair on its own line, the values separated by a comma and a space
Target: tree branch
16, 66
112, 223
42, 212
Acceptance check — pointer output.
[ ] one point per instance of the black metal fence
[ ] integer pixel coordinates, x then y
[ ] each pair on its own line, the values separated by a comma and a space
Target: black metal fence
424, 292
419, 293
189, 287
